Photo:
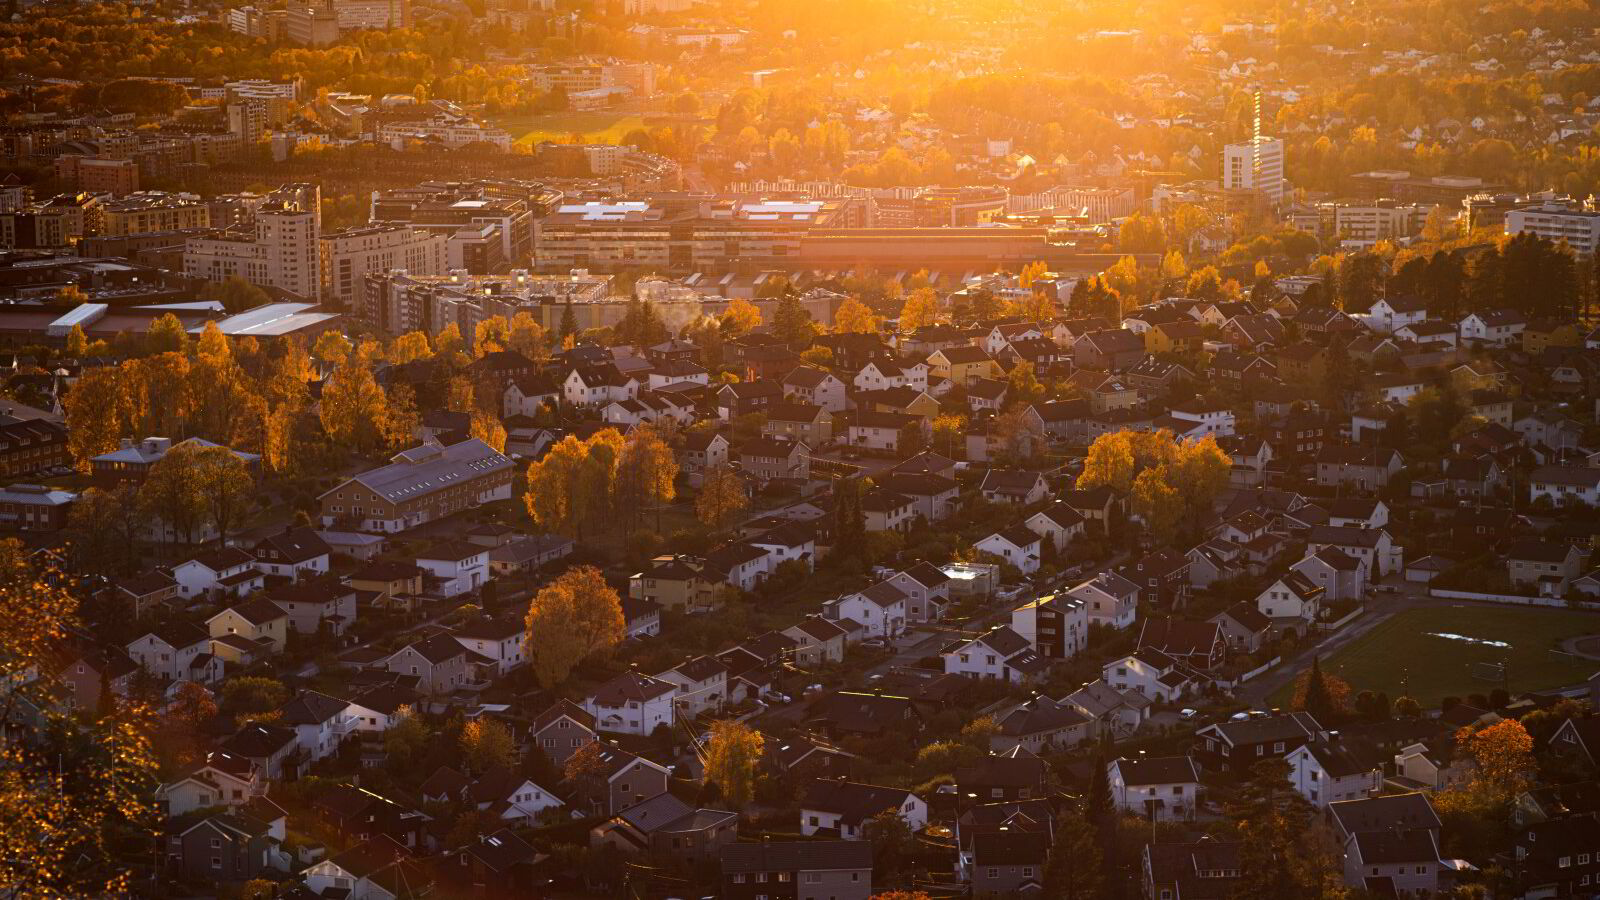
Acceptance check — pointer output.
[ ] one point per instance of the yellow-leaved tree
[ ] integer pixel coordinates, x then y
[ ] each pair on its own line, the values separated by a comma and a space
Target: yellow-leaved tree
721, 499
921, 309
855, 317
572, 618
733, 756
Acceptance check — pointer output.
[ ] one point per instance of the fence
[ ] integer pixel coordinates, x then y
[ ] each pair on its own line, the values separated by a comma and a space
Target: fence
1513, 599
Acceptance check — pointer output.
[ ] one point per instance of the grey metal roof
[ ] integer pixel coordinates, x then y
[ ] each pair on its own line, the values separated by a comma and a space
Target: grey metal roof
417, 473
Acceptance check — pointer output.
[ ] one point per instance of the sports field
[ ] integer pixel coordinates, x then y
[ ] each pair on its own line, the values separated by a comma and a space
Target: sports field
1445, 651
597, 127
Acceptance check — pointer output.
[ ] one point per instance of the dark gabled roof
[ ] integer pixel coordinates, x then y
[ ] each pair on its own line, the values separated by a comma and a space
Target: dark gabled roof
1397, 845
1179, 637
258, 611
1019, 536
1010, 481
295, 545
1248, 615
1010, 848
926, 574
795, 412
438, 648
1158, 770
630, 687
862, 712
1290, 726
223, 559
1538, 551
1039, 715
259, 740
1343, 757
1412, 810
562, 708
180, 633
852, 801
918, 484
311, 708
1016, 769
795, 856
453, 551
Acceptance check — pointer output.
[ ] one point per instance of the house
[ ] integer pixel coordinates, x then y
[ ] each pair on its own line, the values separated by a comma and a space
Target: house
774, 458
790, 542
885, 372
378, 868
885, 432
1495, 328
1556, 858
1203, 868
146, 592
293, 553
1363, 468
1196, 645
962, 365
1014, 487
678, 582
528, 395
1565, 485
320, 723
740, 564
1162, 577
1390, 843
881, 610
1110, 350
561, 730
1008, 863
632, 703
1340, 576
227, 572
701, 685
1372, 546
818, 387
527, 553
927, 590
1015, 775
817, 641
1055, 625
1293, 602
217, 779
1236, 745
597, 385
1041, 724
829, 806
886, 510
315, 605
1112, 599
804, 422
862, 714
87, 672
176, 651
131, 462
1061, 419
496, 865
1244, 627
626, 780
804, 870
1098, 506
509, 796
1549, 566
1057, 523
1213, 419
258, 621
503, 641
440, 664
699, 452
1336, 768
665, 825
987, 395
225, 848
455, 567
273, 748
999, 653
1016, 545
1159, 788
933, 497
1153, 674
1388, 314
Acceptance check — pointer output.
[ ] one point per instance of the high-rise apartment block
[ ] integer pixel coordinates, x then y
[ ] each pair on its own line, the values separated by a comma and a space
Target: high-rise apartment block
282, 250
349, 255
1578, 226
1255, 165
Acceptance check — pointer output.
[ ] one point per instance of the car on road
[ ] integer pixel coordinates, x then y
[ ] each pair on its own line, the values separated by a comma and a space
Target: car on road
1188, 713
876, 643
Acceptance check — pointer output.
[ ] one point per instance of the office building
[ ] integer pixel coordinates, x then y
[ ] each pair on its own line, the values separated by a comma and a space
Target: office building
399, 301
1256, 165
151, 211
489, 223
639, 79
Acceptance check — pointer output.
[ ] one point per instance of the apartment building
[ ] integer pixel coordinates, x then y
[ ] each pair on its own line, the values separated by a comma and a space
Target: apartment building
398, 301
573, 78
1257, 164
420, 485
146, 212
1557, 221
282, 251
350, 255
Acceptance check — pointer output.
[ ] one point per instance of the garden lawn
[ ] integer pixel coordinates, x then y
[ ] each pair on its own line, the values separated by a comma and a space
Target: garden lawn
1405, 650
597, 127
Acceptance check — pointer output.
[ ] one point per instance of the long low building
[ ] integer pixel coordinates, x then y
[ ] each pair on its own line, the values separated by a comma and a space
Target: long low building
420, 485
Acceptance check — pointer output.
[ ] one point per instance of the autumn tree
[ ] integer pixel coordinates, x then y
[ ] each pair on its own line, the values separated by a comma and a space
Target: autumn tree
252, 693
101, 530
183, 723
733, 757
921, 309
96, 413
570, 488
1157, 503
572, 618
353, 407
490, 336
167, 335
77, 342
1324, 696
77, 792
741, 317
487, 744
225, 484
487, 427
332, 348
722, 498
1284, 851
528, 337
172, 493
855, 317
647, 472
791, 323
410, 347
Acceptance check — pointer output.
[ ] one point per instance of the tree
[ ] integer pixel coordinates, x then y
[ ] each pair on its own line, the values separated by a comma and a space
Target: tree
741, 317
76, 789
1320, 694
1109, 463
173, 494
722, 498
571, 488
97, 412
1361, 279
921, 309
855, 317
892, 843
791, 323
1073, 869
486, 427
332, 348
574, 617
733, 757
1157, 503
1283, 852
527, 336
167, 335
647, 472
235, 294
405, 740
353, 409
949, 432
410, 347
184, 721
849, 518
641, 325
487, 744
490, 336
1024, 387
1503, 753
77, 342
226, 485
101, 530
448, 344
1405, 706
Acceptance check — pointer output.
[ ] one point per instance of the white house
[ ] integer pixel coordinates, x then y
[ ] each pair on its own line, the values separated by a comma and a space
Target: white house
880, 609
1341, 576
1165, 788
1328, 771
177, 651
228, 572
1112, 599
1017, 545
1150, 673
848, 806
632, 703
1292, 600
880, 374
1497, 328
502, 640
701, 685
597, 385
1058, 523
999, 653
459, 566
1215, 419
1387, 314
1565, 485
320, 722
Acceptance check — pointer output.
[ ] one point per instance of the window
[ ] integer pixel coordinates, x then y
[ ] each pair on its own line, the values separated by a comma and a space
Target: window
1564, 862
216, 862
785, 877
994, 872
738, 878
813, 878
